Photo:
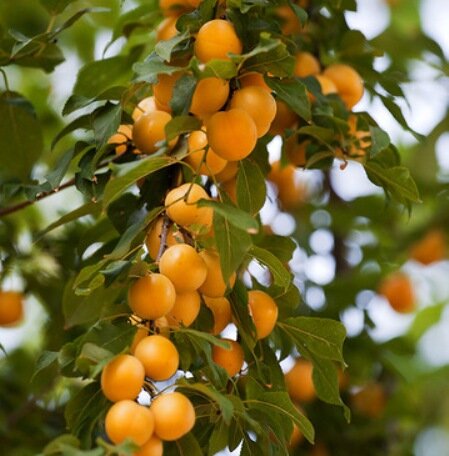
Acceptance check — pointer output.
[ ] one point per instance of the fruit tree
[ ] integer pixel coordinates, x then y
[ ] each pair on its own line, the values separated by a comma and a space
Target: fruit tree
181, 271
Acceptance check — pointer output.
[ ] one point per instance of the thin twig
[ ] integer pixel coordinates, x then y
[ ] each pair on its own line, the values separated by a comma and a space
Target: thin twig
163, 236
17, 207
5, 79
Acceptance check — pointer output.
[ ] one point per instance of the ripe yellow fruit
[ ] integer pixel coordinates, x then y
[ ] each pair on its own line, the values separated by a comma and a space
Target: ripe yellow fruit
153, 239
149, 131
229, 171
253, 78
296, 152
173, 7
211, 164
229, 359
180, 204
398, 290
129, 420
152, 296
264, 312
122, 378
319, 449
291, 195
153, 447
159, 357
259, 104
186, 309
161, 327
296, 437
221, 311
290, 22
163, 90
215, 40
370, 401
174, 416
183, 265
11, 308
230, 188
299, 381
285, 118
306, 64
326, 84
348, 82
167, 29
209, 96
138, 336
431, 248
144, 106
214, 285
123, 136
232, 134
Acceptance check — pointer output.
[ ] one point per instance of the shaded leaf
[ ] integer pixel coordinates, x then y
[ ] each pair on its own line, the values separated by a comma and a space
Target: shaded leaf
251, 187
21, 140
129, 173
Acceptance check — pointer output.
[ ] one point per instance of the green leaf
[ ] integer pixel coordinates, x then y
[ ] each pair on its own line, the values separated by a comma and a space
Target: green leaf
251, 187
235, 216
224, 404
83, 122
86, 274
300, 12
215, 68
181, 124
281, 276
396, 181
241, 316
89, 208
269, 56
323, 135
219, 438
46, 359
396, 112
320, 336
79, 310
379, 141
84, 411
232, 244
76, 102
164, 48
105, 122
424, 320
152, 67
287, 300
193, 333
182, 95
92, 359
21, 140
280, 404
136, 18
133, 231
282, 247
55, 6
75, 17
294, 93
185, 446
129, 173
325, 379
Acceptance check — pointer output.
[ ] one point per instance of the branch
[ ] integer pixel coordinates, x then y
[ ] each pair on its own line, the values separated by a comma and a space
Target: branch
163, 236
17, 207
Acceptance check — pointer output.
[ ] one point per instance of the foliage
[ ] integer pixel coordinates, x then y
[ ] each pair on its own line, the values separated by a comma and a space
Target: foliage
80, 264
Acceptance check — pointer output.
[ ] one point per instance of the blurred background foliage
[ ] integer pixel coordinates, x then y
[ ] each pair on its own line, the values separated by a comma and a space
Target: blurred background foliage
348, 240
